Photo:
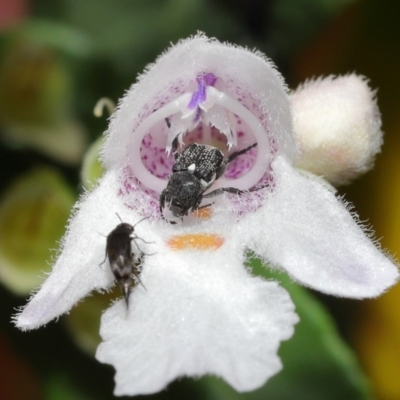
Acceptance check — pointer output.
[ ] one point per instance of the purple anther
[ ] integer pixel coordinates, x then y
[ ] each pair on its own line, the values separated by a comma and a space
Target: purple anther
199, 96
208, 79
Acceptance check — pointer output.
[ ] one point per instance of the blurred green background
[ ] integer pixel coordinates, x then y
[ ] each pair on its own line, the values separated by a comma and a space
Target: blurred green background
58, 57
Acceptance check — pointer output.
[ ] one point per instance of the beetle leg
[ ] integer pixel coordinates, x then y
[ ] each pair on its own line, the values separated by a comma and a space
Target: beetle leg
219, 191
142, 253
135, 237
233, 190
135, 271
205, 206
139, 259
138, 238
162, 202
239, 153
232, 157
175, 148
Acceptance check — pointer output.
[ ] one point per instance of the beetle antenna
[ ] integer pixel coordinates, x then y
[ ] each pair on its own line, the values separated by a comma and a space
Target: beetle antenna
105, 258
144, 241
139, 221
118, 217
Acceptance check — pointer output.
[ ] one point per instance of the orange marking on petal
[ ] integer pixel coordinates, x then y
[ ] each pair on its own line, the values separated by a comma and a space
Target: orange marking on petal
203, 213
196, 241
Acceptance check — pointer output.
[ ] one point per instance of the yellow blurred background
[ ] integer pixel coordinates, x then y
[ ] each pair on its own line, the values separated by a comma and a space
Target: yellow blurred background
365, 38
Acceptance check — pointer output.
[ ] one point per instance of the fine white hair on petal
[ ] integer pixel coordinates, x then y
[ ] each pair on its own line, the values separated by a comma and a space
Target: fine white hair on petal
77, 272
337, 126
202, 313
304, 229
242, 73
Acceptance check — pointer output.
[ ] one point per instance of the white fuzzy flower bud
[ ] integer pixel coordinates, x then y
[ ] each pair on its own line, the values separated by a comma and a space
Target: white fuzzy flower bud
338, 127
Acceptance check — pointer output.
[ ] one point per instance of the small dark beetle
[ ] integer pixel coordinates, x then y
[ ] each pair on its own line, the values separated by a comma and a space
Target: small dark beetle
194, 171
123, 262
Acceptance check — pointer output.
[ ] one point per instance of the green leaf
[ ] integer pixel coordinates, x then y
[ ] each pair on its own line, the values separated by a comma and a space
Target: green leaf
35, 85
92, 169
290, 24
83, 321
51, 34
64, 141
33, 215
59, 387
132, 33
35, 106
317, 364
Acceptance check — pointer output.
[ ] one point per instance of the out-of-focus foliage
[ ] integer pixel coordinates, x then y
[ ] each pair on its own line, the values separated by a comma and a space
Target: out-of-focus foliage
57, 58
36, 92
366, 38
60, 388
83, 322
301, 17
33, 214
130, 33
18, 380
92, 170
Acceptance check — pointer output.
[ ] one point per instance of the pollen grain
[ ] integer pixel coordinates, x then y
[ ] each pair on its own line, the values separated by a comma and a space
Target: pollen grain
197, 241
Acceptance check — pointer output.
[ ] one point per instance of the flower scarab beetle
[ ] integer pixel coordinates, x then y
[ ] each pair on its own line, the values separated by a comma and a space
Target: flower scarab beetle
193, 173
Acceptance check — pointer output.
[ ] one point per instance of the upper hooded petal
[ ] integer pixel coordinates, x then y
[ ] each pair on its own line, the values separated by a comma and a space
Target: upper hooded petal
201, 313
305, 229
77, 272
246, 84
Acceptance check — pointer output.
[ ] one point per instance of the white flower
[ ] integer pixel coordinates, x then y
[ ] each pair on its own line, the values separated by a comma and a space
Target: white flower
202, 311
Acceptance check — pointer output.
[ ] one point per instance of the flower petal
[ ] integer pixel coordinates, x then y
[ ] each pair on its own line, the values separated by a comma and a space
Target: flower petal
77, 272
306, 230
202, 313
201, 77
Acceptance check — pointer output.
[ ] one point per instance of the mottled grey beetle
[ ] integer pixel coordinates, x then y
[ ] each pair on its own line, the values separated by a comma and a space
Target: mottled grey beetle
194, 171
